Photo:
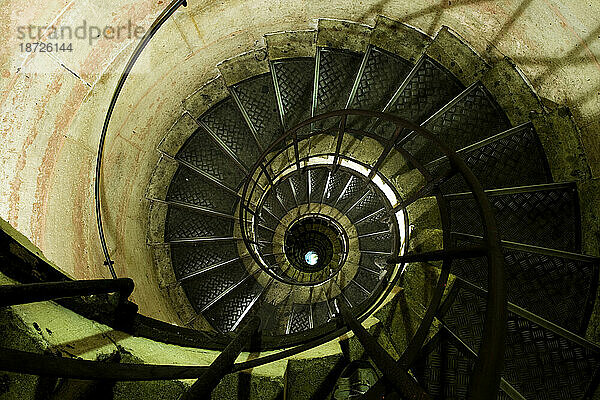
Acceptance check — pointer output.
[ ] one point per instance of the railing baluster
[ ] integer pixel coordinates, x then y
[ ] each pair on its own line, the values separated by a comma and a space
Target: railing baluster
388, 148
439, 255
296, 151
223, 364
33, 292
402, 382
338, 145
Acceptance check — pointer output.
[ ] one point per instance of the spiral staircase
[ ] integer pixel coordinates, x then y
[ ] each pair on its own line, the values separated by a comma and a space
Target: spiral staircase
247, 219
323, 180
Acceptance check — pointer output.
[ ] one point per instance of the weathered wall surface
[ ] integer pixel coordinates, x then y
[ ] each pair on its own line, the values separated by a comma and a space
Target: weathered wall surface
52, 106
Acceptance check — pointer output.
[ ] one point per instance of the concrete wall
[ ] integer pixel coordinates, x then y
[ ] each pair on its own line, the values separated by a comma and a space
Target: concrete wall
52, 106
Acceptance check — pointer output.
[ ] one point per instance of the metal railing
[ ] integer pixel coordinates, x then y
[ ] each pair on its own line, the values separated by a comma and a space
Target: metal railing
160, 20
485, 381
486, 377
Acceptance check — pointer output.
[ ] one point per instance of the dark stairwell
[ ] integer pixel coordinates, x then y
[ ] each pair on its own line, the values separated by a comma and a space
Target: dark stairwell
343, 175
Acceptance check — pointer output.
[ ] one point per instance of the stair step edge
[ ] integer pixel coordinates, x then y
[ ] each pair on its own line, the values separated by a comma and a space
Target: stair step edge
343, 35
455, 54
244, 66
291, 44
387, 33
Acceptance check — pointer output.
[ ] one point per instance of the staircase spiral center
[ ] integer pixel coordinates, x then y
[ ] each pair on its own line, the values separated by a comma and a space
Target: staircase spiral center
314, 244
311, 257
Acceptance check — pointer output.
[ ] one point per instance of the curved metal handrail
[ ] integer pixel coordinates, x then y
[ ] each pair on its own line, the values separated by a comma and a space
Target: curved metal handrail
486, 378
269, 155
396, 246
160, 20
488, 367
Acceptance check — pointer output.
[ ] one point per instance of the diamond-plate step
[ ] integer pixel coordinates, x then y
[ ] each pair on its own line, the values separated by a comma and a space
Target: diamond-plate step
541, 360
317, 182
299, 186
225, 122
470, 117
558, 286
274, 205
380, 242
300, 318
340, 49
275, 308
188, 187
425, 90
294, 84
267, 236
337, 71
354, 190
541, 215
191, 260
369, 203
511, 158
380, 75
203, 154
292, 62
226, 313
257, 98
367, 279
207, 287
249, 80
184, 223
375, 222
355, 294
336, 183
445, 367
284, 195
385, 66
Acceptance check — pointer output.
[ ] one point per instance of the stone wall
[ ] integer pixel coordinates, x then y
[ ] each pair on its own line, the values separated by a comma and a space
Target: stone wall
53, 105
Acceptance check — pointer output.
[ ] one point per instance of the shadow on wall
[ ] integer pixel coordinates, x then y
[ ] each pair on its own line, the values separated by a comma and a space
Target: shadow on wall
438, 10
552, 64
572, 57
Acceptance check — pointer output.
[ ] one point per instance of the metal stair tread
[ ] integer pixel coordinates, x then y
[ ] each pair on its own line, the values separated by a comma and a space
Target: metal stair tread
538, 358
436, 79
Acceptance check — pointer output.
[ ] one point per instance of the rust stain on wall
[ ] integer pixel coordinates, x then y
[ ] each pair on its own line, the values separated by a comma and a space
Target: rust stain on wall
569, 27
47, 168
100, 55
31, 55
80, 203
15, 185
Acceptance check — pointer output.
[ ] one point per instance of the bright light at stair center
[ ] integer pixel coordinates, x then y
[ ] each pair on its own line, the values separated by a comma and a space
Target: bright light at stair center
311, 258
